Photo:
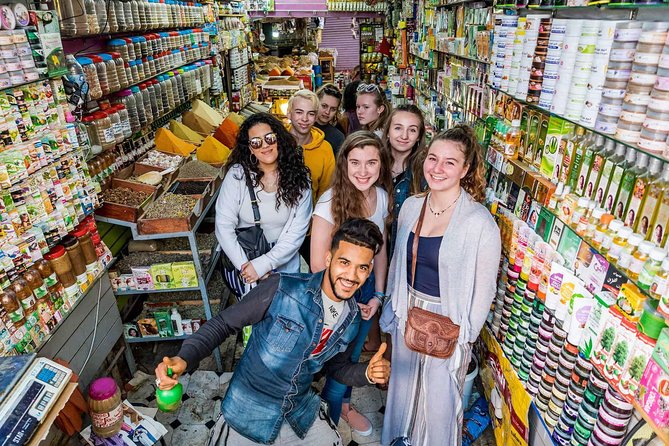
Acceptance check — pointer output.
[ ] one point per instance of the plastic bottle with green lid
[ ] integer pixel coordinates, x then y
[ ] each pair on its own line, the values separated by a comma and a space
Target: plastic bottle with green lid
626, 255
651, 268
169, 400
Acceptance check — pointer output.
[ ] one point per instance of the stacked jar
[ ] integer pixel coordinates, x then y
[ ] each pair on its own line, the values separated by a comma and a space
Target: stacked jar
612, 420
642, 78
655, 130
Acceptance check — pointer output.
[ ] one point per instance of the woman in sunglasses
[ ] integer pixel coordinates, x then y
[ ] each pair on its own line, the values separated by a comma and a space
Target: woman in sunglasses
371, 108
268, 155
360, 187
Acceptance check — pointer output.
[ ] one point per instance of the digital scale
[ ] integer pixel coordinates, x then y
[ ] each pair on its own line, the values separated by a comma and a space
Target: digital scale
29, 387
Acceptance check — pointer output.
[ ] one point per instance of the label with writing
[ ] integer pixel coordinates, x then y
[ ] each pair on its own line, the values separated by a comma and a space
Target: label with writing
51, 280
103, 420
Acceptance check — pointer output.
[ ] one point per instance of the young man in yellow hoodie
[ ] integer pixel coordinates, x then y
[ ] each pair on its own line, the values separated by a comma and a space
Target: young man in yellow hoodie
318, 153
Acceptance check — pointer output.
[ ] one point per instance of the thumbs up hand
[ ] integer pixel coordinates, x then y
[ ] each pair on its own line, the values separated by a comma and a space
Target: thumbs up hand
378, 369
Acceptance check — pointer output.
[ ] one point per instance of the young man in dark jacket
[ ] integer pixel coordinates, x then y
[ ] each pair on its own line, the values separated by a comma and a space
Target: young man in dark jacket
302, 324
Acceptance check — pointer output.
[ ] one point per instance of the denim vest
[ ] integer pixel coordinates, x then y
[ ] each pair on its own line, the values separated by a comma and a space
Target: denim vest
272, 382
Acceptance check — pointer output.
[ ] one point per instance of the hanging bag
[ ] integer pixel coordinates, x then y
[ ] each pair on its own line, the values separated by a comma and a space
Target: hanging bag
426, 332
253, 242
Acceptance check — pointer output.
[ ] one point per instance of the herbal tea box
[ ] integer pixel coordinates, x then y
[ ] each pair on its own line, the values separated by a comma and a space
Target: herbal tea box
185, 275
554, 147
162, 276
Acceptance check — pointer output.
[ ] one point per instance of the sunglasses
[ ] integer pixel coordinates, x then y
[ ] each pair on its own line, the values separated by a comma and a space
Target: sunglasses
367, 88
256, 142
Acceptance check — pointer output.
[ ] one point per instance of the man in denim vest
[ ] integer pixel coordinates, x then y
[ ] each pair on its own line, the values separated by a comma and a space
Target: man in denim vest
302, 324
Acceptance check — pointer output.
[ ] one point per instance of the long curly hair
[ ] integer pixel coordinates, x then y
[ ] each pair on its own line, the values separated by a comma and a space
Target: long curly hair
474, 180
347, 200
414, 161
294, 177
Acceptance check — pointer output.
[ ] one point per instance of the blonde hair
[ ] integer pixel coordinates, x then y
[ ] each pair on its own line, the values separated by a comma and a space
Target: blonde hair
304, 94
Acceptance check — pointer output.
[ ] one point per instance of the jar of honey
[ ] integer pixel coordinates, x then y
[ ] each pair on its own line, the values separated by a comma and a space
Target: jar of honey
104, 405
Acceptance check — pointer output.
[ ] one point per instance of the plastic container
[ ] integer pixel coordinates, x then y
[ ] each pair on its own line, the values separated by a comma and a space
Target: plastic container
106, 410
125, 119
120, 69
110, 72
91, 75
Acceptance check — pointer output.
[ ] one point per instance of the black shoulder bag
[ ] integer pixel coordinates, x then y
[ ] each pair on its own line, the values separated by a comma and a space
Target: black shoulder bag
251, 239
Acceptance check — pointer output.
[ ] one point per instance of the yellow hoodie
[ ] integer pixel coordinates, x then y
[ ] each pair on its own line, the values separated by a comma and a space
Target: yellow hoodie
319, 158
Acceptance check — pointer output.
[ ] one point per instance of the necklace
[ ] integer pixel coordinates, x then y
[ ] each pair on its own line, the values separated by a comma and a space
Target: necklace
438, 213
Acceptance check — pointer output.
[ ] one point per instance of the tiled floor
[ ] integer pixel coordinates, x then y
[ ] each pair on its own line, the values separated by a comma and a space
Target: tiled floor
204, 389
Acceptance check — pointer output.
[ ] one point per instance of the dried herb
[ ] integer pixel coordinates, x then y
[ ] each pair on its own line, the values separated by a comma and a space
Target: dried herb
198, 169
125, 196
171, 205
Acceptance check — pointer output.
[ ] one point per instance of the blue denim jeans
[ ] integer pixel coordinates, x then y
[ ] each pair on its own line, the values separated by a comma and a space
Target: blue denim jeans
334, 392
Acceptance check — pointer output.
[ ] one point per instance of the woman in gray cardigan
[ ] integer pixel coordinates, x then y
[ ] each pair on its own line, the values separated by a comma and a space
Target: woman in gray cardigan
456, 269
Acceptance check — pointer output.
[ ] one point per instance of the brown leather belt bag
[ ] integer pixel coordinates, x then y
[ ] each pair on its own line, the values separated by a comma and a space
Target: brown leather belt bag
426, 332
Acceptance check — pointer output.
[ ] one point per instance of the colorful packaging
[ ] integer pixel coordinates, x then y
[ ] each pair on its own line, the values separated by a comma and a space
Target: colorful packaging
554, 148
596, 320
164, 324
630, 301
653, 393
639, 357
185, 275
142, 278
148, 327
621, 352
162, 276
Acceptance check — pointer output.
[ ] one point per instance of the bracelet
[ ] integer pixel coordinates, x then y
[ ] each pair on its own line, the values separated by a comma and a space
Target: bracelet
378, 295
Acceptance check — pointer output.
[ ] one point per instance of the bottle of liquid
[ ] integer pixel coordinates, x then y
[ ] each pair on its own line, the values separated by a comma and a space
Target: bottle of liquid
628, 251
512, 140
637, 200
658, 287
619, 170
627, 185
13, 307
639, 258
651, 203
581, 216
601, 230
169, 400
651, 268
587, 153
571, 160
598, 158
175, 317
620, 241
613, 155
41, 293
24, 294
607, 240
593, 221
658, 229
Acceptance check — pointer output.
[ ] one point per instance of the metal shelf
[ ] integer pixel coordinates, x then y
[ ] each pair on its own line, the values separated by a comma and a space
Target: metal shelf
460, 56
167, 290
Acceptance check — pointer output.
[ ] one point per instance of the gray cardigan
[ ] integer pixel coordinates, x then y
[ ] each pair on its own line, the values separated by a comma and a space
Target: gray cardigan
468, 263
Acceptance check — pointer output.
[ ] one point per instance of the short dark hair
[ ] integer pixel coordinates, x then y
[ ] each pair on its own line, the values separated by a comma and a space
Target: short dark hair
360, 232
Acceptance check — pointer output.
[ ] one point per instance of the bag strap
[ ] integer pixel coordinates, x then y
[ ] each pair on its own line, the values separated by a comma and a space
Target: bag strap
416, 237
254, 200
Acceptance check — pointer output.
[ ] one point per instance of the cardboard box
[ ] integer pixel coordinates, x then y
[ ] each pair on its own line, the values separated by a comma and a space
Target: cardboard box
652, 394
554, 147
148, 327
162, 276
185, 275
131, 330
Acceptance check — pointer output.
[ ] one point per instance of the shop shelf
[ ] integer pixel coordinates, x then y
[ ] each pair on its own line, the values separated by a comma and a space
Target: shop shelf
132, 33
459, 2
460, 56
168, 290
575, 122
581, 8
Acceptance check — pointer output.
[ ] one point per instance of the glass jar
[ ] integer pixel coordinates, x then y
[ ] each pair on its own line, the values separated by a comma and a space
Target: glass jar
137, 95
87, 248
91, 17
91, 74
119, 65
102, 16
11, 304
112, 77
25, 295
101, 71
93, 136
104, 129
51, 281
128, 100
125, 119
41, 293
146, 101
73, 248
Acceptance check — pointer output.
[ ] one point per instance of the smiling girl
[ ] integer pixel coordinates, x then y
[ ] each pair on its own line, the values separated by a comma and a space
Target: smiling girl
359, 190
371, 108
456, 260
